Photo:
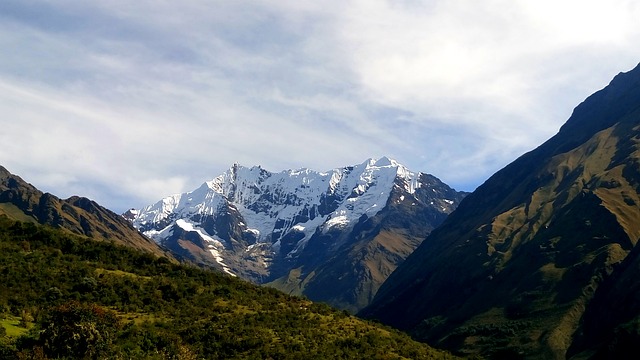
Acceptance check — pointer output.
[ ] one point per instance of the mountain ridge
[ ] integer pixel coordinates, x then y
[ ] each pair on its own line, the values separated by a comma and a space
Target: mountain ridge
262, 226
22, 201
533, 244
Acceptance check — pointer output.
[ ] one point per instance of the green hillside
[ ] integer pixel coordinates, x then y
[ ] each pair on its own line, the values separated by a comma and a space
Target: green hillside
63, 296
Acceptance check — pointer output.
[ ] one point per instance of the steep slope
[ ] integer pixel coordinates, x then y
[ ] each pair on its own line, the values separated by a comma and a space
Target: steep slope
515, 269
22, 201
301, 230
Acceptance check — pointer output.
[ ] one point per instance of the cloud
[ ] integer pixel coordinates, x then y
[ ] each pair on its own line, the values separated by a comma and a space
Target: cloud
127, 102
488, 68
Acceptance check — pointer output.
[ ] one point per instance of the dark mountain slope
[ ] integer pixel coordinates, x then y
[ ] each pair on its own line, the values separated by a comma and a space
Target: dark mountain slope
611, 324
22, 201
517, 264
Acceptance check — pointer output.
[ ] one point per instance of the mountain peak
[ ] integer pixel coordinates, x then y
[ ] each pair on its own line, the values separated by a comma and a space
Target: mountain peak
601, 110
256, 224
4, 173
382, 162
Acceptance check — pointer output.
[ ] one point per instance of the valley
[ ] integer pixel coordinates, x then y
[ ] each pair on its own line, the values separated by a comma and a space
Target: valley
539, 262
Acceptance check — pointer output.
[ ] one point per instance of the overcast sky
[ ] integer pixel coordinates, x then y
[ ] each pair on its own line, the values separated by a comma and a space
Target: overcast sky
126, 102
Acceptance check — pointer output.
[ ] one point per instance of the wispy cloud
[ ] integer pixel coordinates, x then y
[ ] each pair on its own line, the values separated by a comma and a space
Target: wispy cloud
126, 102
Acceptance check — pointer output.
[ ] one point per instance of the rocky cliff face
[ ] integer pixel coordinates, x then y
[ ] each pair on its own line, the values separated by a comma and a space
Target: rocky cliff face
333, 236
530, 263
20, 200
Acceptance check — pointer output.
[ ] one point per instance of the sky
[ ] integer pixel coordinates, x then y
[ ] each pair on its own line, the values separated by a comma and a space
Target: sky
126, 102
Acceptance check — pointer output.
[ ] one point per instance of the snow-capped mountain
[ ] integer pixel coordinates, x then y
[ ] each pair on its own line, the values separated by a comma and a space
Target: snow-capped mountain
260, 225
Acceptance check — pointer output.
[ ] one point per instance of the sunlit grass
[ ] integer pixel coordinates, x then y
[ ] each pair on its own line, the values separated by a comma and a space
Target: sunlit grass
12, 325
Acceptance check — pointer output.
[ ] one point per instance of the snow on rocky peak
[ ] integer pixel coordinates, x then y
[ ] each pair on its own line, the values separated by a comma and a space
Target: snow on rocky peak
272, 205
369, 185
130, 214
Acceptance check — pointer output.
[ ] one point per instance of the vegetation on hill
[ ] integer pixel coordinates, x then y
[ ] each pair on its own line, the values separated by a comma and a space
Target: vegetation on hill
64, 296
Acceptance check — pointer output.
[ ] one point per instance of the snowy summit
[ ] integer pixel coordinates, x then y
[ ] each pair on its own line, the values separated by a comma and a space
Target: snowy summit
274, 215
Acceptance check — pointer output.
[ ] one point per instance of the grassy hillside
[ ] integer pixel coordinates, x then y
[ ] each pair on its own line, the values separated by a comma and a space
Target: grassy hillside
63, 296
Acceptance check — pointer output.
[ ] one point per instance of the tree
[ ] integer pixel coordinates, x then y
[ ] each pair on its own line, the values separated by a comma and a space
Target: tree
79, 331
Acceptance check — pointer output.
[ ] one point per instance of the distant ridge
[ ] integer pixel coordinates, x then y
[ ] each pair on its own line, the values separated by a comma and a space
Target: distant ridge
22, 201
